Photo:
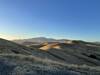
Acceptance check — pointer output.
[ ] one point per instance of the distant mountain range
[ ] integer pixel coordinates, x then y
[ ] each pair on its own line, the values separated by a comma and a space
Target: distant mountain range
40, 40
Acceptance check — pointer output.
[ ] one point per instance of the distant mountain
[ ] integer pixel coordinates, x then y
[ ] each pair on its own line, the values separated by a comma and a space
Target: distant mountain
38, 40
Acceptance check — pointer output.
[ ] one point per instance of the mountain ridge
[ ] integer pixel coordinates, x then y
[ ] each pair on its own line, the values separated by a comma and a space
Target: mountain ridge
39, 40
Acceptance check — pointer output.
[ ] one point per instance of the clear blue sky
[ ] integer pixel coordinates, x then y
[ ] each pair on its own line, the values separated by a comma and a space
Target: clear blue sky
72, 19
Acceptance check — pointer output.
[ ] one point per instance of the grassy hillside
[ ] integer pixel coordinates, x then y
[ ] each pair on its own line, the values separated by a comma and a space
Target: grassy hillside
77, 52
14, 64
76, 58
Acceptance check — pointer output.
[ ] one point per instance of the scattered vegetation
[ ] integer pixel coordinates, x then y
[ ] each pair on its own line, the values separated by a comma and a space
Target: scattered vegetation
29, 65
70, 59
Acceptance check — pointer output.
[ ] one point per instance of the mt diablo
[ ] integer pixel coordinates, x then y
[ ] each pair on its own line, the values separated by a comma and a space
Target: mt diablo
46, 56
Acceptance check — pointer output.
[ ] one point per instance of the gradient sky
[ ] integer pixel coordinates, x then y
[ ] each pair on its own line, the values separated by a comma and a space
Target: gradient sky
71, 19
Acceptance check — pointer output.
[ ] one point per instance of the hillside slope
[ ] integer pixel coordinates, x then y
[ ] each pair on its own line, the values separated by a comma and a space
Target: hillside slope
29, 65
77, 52
76, 58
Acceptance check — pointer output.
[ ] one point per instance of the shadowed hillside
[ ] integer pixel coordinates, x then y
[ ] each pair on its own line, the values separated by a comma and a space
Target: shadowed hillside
10, 47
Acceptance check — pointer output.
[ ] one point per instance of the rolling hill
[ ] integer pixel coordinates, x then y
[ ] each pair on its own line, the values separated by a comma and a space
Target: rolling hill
49, 58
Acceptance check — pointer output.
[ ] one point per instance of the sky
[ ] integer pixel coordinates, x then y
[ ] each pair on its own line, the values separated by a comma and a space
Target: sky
68, 19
